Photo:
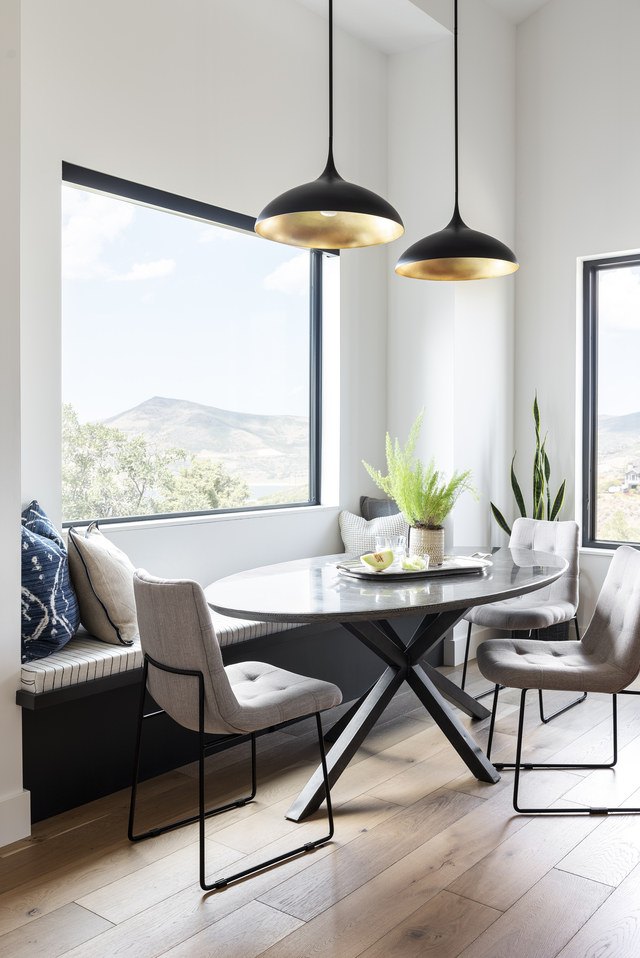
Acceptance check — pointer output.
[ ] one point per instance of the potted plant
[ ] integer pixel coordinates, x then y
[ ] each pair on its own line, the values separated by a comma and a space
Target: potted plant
422, 494
541, 488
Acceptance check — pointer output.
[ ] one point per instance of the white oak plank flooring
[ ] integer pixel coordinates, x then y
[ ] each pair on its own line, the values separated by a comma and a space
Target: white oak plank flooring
426, 861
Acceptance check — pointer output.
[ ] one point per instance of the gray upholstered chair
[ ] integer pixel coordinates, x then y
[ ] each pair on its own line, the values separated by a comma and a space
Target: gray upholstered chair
550, 606
606, 659
185, 676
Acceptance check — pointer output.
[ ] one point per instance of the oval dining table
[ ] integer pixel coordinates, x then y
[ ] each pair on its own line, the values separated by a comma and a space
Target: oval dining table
314, 590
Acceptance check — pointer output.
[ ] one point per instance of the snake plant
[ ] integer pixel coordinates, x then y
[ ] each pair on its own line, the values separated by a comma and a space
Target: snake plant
543, 508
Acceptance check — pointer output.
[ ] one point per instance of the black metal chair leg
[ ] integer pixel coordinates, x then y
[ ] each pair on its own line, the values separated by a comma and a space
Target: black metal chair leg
153, 832
564, 708
519, 765
203, 814
309, 846
467, 647
492, 726
466, 658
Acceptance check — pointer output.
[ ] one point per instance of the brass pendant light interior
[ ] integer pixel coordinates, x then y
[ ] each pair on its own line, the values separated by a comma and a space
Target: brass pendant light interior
457, 252
329, 213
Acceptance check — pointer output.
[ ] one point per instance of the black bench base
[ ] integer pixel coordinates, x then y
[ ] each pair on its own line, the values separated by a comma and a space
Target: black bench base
78, 743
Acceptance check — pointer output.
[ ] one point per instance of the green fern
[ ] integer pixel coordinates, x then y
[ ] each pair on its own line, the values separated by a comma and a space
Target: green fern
422, 494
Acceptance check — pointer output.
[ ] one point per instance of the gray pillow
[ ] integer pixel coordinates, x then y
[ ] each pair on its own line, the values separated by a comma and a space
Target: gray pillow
371, 508
103, 578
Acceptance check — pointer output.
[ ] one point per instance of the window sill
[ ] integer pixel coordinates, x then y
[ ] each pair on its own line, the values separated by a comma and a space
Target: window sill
590, 551
221, 517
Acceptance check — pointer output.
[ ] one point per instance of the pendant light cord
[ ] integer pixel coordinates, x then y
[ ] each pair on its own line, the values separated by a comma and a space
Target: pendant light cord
330, 172
455, 97
330, 160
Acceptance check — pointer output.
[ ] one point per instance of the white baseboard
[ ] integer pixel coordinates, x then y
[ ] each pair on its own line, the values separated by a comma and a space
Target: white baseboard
15, 817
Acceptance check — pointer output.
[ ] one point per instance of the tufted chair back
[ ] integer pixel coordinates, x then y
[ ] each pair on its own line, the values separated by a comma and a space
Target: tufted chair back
613, 634
176, 630
560, 538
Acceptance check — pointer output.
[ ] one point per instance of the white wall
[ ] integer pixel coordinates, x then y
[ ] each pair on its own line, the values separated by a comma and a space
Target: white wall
450, 345
223, 102
578, 194
226, 103
14, 803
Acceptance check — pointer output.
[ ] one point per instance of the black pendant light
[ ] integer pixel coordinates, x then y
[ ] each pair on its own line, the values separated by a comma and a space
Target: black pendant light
457, 252
329, 213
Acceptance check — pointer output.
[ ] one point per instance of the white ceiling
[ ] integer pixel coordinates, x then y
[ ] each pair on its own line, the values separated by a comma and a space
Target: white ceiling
517, 10
396, 25
388, 25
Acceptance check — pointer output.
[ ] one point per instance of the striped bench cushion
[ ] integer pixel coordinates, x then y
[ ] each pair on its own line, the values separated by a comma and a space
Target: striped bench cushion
84, 658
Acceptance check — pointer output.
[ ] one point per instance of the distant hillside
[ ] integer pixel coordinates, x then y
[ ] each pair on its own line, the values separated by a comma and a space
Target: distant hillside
618, 434
262, 448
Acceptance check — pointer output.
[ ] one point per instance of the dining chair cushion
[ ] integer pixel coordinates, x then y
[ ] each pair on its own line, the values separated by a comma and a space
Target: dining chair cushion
534, 664
555, 603
524, 612
359, 535
268, 695
176, 629
606, 659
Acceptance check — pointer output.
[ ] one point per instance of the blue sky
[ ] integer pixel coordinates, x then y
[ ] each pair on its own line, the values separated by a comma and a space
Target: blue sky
156, 304
619, 341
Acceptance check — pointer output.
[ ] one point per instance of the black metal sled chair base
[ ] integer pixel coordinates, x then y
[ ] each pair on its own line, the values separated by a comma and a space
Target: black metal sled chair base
203, 813
520, 766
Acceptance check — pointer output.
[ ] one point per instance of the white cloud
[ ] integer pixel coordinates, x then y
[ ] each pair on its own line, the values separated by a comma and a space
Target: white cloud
213, 234
291, 277
161, 267
92, 221
619, 299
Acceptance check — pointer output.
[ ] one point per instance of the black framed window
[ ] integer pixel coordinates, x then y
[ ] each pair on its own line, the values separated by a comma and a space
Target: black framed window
191, 358
611, 403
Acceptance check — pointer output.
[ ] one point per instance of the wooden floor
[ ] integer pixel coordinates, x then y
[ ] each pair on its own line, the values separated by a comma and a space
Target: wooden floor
425, 861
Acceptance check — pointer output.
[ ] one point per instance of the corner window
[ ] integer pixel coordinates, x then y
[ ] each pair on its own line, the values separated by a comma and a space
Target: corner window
611, 435
191, 357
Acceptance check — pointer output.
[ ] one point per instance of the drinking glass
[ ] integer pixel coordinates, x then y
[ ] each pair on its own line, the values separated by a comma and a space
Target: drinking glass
397, 544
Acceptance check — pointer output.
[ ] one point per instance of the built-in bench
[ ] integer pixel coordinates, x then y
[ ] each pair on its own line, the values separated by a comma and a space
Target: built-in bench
80, 705
86, 659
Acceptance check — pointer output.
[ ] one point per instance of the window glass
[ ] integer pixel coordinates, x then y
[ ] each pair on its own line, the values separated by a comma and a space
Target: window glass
614, 400
186, 363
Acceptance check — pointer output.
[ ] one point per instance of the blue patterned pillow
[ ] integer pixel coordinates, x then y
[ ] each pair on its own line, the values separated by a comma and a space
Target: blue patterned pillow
49, 608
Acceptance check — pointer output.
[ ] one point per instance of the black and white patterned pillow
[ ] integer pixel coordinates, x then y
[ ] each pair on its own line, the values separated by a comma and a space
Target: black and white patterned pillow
49, 608
359, 535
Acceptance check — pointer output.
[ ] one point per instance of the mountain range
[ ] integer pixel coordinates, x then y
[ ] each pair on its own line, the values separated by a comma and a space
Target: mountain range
261, 448
619, 435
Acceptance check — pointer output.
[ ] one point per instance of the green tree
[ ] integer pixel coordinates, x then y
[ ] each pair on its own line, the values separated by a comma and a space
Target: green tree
619, 529
206, 484
106, 473
90, 486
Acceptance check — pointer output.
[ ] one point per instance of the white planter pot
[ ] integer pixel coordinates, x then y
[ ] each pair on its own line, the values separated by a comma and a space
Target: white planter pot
427, 542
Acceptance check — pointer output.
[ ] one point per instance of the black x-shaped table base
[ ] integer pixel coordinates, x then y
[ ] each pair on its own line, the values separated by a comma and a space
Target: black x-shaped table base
433, 689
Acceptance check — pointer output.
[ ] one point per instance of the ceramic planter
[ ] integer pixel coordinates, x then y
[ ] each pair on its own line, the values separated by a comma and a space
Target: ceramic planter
427, 542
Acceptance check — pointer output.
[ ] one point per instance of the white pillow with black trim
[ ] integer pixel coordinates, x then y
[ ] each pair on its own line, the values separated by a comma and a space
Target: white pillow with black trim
102, 576
359, 535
